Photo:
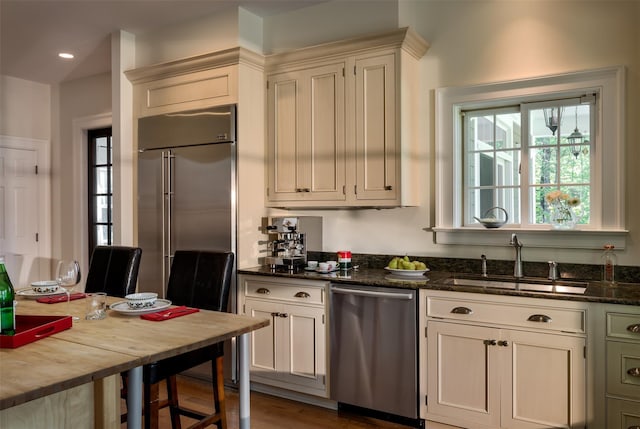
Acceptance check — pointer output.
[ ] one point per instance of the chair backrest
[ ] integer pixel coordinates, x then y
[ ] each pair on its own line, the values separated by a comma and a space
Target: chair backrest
114, 270
200, 279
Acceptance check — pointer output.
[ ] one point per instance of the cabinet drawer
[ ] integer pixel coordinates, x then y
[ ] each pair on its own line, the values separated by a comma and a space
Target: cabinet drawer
284, 291
537, 317
623, 414
623, 369
623, 326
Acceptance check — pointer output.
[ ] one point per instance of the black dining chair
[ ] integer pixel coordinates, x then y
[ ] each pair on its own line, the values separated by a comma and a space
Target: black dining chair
114, 270
200, 279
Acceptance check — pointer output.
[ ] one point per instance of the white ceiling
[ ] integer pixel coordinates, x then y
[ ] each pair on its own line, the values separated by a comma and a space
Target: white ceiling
32, 32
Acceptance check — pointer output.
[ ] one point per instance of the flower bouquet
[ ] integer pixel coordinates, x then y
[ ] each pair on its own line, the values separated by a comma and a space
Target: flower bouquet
561, 204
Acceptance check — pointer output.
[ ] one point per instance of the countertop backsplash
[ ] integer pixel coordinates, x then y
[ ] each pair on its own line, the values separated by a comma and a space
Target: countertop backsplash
626, 274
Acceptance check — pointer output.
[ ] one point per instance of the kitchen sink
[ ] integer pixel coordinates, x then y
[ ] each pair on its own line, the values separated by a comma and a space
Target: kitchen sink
524, 284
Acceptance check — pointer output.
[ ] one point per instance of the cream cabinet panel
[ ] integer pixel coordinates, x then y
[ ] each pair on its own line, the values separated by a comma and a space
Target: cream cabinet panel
463, 373
291, 352
502, 371
376, 140
306, 135
543, 383
344, 117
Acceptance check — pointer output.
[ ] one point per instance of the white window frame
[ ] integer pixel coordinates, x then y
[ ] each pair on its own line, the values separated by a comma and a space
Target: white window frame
608, 182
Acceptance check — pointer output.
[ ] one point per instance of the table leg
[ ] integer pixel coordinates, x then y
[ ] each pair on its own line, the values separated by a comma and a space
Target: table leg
134, 398
243, 382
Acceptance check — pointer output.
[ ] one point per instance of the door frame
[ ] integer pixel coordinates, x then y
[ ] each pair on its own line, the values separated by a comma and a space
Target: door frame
43, 186
80, 127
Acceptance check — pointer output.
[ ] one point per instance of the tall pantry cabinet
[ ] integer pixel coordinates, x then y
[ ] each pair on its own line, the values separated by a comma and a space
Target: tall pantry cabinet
341, 121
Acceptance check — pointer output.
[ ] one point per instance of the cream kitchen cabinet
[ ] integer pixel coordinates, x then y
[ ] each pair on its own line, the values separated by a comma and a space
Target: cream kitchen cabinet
306, 154
502, 362
291, 352
342, 128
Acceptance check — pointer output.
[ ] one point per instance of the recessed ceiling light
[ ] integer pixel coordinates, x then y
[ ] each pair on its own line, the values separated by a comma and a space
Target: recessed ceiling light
65, 55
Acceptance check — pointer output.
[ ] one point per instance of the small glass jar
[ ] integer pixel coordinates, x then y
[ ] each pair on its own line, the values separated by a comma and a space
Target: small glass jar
609, 262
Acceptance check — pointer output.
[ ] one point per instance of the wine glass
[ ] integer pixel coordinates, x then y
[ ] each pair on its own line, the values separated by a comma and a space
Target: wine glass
68, 276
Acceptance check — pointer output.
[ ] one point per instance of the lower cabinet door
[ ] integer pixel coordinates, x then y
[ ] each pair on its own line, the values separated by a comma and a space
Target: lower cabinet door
303, 363
543, 381
263, 359
623, 414
463, 372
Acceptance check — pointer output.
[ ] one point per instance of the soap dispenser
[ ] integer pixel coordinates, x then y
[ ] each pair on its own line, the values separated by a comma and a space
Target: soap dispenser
609, 262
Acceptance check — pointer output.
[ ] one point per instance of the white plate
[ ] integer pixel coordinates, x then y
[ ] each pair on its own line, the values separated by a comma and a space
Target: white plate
32, 294
123, 308
406, 273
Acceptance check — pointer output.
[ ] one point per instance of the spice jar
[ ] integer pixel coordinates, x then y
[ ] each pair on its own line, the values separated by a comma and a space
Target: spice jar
344, 259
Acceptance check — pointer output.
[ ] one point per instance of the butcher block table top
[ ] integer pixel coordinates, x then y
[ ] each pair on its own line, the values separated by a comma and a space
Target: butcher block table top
94, 349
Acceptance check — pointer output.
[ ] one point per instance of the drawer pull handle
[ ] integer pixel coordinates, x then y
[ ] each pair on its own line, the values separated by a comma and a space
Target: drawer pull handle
489, 342
388, 188
302, 295
263, 291
635, 329
283, 315
462, 310
634, 427
634, 372
539, 318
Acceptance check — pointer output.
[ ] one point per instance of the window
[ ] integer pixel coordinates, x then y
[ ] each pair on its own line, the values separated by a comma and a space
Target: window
510, 144
513, 163
100, 186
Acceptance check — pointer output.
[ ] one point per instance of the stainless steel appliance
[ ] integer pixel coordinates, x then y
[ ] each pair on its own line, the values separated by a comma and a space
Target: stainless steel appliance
289, 240
374, 351
186, 191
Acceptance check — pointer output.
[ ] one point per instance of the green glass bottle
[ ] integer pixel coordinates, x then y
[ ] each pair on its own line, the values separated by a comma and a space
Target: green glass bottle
7, 302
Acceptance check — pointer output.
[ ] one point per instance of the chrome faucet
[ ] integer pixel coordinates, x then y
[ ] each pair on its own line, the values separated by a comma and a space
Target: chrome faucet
517, 267
484, 265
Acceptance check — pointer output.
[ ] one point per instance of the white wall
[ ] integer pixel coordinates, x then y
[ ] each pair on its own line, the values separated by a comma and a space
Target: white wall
478, 42
25, 108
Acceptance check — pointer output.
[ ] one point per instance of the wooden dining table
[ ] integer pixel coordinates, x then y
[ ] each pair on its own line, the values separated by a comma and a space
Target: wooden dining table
97, 351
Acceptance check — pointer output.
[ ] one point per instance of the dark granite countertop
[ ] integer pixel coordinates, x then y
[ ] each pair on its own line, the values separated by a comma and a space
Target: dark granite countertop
621, 293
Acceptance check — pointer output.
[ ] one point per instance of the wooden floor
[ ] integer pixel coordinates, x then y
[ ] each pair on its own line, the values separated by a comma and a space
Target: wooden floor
269, 412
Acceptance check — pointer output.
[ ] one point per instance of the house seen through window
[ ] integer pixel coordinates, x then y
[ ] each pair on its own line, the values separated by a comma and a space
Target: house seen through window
100, 187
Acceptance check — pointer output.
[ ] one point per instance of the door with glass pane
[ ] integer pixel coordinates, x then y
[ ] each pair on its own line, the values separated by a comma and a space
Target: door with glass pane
100, 186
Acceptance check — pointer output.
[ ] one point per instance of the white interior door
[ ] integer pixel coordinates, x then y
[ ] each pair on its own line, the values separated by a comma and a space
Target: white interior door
18, 214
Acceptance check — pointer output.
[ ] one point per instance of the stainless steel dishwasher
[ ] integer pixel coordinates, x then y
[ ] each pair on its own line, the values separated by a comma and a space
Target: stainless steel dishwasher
374, 352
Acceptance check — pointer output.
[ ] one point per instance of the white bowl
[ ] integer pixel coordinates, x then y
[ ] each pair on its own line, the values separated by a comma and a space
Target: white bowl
141, 300
45, 286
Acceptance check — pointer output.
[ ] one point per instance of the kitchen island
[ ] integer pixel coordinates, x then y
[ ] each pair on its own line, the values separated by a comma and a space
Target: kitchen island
89, 357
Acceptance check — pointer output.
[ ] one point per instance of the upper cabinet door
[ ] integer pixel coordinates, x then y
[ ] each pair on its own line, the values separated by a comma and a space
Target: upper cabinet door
306, 134
375, 125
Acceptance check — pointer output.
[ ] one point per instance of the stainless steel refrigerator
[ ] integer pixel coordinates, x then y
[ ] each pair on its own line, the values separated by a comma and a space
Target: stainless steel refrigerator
186, 191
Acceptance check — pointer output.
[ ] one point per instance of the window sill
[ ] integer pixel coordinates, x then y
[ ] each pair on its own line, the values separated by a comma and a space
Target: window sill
565, 239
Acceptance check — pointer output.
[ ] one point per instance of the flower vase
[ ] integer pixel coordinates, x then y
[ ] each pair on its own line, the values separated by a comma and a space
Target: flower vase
562, 217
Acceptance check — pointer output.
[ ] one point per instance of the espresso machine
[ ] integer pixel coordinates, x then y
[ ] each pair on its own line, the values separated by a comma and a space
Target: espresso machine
289, 239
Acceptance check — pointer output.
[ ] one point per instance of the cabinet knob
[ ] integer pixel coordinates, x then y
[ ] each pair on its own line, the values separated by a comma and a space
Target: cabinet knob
461, 310
275, 314
634, 372
503, 343
539, 318
635, 329
489, 342
302, 295
263, 291
283, 315
303, 190
388, 188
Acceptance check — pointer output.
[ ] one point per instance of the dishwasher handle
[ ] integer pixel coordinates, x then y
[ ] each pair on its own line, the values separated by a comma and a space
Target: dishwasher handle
375, 294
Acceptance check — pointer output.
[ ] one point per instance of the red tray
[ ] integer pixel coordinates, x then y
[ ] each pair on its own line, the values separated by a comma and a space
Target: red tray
34, 328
